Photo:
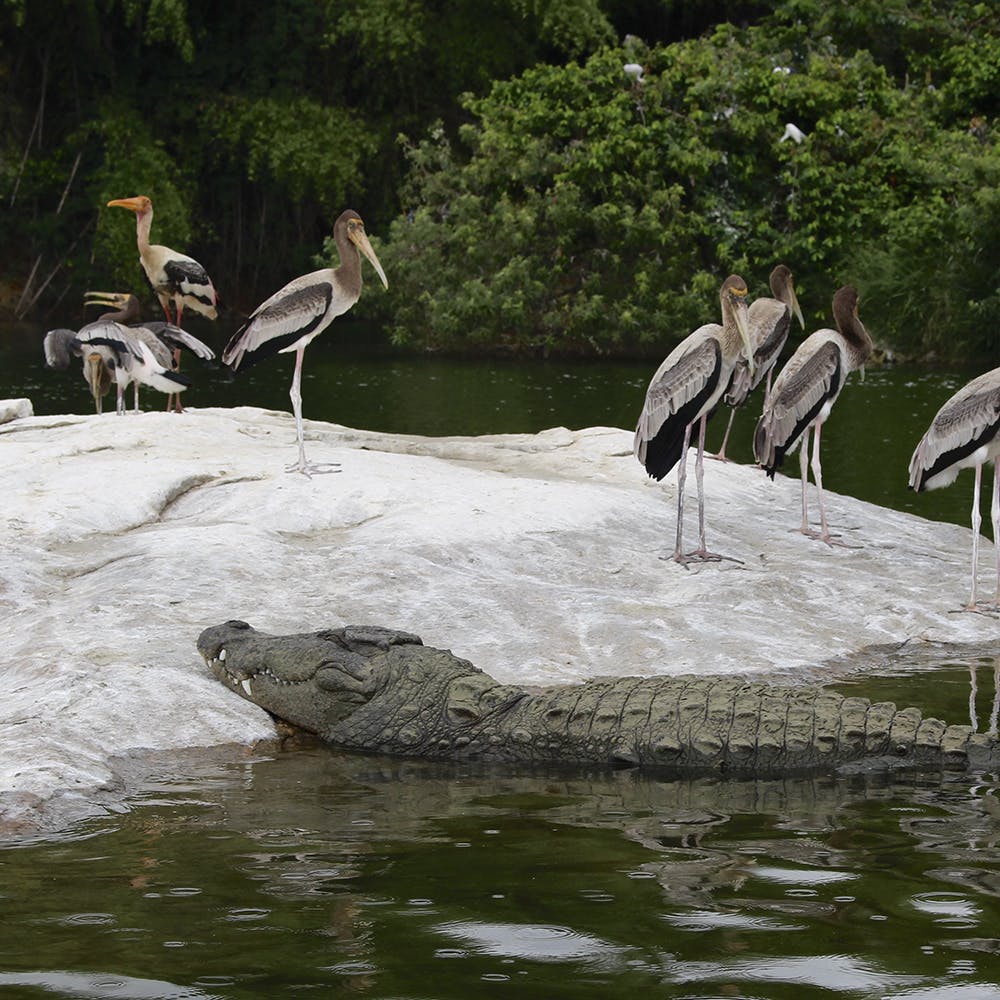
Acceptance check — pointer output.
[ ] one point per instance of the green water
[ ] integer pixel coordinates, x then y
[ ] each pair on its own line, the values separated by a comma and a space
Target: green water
307, 872
354, 379
300, 871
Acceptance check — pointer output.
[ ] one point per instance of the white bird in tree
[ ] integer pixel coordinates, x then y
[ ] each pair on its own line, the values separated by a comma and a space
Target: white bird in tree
686, 389
770, 320
298, 313
803, 396
173, 276
793, 132
965, 434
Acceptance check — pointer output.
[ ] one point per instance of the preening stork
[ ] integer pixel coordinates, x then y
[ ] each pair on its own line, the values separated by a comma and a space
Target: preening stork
294, 316
172, 275
125, 354
165, 340
686, 389
770, 320
965, 434
803, 396
61, 345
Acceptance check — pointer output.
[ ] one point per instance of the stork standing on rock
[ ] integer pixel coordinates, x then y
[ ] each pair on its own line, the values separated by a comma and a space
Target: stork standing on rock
173, 276
298, 313
165, 340
803, 396
685, 390
112, 350
61, 345
965, 434
770, 320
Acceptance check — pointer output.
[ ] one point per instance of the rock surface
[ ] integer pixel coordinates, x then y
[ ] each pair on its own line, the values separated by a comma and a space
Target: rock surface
534, 556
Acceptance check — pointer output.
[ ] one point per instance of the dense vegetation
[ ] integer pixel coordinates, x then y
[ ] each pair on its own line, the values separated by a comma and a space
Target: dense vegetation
523, 192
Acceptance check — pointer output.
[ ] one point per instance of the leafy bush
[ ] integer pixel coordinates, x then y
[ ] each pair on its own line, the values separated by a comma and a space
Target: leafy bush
581, 211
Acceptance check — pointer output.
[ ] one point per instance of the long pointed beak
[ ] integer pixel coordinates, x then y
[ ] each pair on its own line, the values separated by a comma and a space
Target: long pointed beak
361, 242
103, 299
742, 320
132, 204
797, 310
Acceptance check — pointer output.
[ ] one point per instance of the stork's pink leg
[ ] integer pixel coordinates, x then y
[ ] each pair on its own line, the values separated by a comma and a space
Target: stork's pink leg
721, 456
174, 398
804, 471
678, 555
295, 394
977, 521
701, 553
995, 517
817, 470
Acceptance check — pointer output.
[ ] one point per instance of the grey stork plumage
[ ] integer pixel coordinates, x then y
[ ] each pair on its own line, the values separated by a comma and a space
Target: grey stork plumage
803, 396
61, 345
685, 390
165, 340
175, 277
130, 358
770, 320
298, 313
965, 434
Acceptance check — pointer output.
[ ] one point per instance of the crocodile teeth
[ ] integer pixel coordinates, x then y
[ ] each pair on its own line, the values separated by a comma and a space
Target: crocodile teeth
222, 654
245, 684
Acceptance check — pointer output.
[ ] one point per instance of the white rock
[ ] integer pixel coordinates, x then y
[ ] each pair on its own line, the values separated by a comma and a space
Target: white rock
14, 409
535, 556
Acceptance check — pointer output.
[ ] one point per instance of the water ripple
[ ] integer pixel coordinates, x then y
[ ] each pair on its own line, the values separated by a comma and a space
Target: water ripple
540, 942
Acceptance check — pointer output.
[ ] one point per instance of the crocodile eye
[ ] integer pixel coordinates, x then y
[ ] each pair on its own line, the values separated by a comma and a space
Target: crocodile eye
236, 623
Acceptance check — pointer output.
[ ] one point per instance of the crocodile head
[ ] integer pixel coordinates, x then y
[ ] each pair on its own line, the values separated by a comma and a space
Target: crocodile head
313, 680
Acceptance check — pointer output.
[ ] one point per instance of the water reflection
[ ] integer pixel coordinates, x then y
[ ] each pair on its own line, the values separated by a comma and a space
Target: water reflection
310, 870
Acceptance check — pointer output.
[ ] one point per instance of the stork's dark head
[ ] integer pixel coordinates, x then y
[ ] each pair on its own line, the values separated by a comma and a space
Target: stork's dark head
351, 225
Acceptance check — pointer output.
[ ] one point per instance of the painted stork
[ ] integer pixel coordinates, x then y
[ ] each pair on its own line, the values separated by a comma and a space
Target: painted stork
294, 316
159, 336
685, 389
965, 434
803, 396
61, 345
173, 276
129, 356
770, 320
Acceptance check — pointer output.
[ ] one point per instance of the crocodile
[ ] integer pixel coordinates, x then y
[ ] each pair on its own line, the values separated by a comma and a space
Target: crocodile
378, 690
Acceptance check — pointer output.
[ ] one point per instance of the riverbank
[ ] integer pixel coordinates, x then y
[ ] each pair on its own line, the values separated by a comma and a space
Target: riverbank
537, 557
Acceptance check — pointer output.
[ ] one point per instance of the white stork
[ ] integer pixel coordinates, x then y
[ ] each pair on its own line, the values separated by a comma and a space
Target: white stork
803, 396
173, 276
685, 389
965, 434
294, 316
770, 320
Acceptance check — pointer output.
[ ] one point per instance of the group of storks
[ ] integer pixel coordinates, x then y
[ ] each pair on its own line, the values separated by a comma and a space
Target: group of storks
119, 348
715, 364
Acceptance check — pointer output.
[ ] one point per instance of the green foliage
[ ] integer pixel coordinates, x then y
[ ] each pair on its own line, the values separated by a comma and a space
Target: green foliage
581, 212
298, 145
161, 21
562, 207
132, 162
931, 282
